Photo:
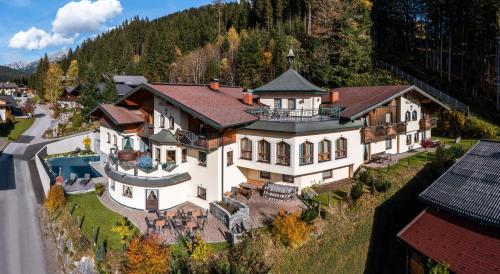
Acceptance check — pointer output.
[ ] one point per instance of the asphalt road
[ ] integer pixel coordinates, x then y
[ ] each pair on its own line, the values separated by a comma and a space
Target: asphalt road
21, 247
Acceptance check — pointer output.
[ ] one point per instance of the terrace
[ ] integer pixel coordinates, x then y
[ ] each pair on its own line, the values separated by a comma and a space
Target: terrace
380, 132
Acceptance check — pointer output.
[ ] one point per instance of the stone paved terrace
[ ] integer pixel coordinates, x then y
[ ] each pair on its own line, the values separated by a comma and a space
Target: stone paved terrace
394, 159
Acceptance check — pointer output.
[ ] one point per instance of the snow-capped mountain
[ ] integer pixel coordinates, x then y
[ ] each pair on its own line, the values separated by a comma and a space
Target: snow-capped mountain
30, 67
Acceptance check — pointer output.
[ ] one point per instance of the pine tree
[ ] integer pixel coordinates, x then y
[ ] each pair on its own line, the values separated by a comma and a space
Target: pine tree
109, 93
90, 96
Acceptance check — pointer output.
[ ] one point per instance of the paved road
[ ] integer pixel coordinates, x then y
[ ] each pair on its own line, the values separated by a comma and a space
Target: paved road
21, 248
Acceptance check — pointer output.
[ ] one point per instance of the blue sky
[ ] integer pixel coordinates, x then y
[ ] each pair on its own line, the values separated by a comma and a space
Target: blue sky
29, 28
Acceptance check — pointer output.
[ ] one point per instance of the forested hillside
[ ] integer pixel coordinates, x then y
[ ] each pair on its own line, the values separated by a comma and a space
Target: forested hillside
12, 75
331, 39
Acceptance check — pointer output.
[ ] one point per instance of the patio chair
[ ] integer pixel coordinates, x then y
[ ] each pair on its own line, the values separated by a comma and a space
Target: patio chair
85, 180
159, 224
72, 179
149, 225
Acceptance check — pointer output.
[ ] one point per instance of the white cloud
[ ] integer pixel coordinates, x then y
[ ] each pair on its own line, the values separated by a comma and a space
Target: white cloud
85, 16
38, 39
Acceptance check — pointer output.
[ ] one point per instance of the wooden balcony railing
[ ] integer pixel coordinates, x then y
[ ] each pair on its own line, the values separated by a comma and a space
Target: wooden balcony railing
202, 142
381, 132
428, 123
146, 130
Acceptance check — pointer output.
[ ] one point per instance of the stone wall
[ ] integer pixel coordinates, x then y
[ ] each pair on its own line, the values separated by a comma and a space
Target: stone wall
242, 215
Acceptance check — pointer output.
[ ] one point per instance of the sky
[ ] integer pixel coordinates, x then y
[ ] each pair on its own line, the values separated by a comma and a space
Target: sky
30, 28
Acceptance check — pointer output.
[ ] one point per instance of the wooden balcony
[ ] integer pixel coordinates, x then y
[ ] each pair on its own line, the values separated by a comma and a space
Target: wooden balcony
146, 130
202, 142
379, 133
428, 123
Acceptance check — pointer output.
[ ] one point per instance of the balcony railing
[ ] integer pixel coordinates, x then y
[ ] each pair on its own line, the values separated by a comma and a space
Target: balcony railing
428, 123
381, 132
298, 115
202, 142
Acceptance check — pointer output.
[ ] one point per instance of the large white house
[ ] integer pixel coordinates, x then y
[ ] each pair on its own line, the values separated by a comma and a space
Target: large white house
171, 143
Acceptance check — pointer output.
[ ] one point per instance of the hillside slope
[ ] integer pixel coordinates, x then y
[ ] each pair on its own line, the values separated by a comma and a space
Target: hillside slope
8, 74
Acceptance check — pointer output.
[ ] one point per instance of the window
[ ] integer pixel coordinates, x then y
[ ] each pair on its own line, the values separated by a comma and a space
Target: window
202, 158
388, 143
277, 103
306, 153
115, 140
201, 193
408, 139
171, 156
414, 115
264, 149
184, 155
229, 158
112, 184
171, 122
341, 148
109, 138
327, 174
265, 175
324, 151
162, 121
292, 104
127, 191
157, 154
288, 178
246, 149
407, 116
388, 117
283, 154
416, 137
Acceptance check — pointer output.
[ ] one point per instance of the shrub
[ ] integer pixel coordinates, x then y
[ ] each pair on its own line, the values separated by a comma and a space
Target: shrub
366, 177
99, 189
475, 128
309, 215
356, 190
82, 244
86, 143
76, 120
308, 193
382, 185
146, 255
55, 198
199, 249
290, 229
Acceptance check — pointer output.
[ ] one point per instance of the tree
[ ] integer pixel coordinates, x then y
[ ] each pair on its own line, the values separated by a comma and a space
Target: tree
290, 229
28, 107
124, 230
90, 96
146, 255
55, 199
52, 83
72, 74
109, 93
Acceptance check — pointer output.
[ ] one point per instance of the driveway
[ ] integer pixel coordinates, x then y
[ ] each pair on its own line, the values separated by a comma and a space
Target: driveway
21, 244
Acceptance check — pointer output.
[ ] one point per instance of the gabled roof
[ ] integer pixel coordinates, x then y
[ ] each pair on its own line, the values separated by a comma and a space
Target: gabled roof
121, 89
290, 81
471, 187
466, 246
164, 137
130, 80
358, 101
120, 115
9, 99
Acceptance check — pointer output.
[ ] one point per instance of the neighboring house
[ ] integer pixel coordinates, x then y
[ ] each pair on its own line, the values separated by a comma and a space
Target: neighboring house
179, 143
8, 88
461, 226
7, 103
70, 97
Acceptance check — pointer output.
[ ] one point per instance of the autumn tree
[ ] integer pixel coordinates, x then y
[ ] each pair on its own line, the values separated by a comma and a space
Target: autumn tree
52, 83
55, 198
72, 73
290, 229
125, 231
146, 254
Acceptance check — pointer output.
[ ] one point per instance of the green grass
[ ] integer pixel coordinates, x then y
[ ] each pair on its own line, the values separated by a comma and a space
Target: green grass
95, 216
19, 128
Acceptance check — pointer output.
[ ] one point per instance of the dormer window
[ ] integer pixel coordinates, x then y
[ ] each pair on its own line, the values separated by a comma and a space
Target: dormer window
292, 104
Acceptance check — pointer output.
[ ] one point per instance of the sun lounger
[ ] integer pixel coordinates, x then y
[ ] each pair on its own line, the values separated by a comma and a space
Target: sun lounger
72, 179
85, 180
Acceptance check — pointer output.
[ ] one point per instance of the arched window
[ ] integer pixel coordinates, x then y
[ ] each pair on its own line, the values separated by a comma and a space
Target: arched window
408, 116
246, 149
414, 115
306, 153
171, 122
263, 151
162, 121
341, 148
115, 140
324, 151
283, 153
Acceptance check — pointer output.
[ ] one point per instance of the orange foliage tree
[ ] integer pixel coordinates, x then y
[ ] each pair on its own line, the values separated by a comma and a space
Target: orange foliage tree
146, 255
290, 229
55, 198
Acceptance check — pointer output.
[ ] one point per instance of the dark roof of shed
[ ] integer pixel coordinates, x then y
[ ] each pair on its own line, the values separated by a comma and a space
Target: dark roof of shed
121, 89
130, 80
290, 81
471, 187
164, 137
466, 246
357, 101
9, 99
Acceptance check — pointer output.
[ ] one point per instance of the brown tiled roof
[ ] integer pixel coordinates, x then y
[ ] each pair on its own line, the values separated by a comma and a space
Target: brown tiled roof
356, 100
466, 246
220, 108
121, 115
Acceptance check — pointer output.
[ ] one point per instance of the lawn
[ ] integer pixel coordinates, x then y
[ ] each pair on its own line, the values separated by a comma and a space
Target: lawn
95, 216
19, 128
362, 238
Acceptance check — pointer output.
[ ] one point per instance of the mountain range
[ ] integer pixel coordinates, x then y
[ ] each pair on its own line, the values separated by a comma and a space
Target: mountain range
30, 67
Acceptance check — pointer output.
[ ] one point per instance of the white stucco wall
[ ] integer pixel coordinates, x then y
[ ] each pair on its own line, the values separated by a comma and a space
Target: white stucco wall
303, 101
3, 114
161, 107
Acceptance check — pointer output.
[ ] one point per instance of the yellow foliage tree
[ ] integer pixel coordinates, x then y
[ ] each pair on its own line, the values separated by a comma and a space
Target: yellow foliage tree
290, 229
146, 255
55, 198
72, 74
199, 249
86, 143
53, 86
124, 230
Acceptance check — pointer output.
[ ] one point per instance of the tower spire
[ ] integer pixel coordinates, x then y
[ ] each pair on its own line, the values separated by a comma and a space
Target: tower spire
290, 58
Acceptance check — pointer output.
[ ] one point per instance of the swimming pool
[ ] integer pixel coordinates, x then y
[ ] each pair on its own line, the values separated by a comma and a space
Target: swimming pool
64, 166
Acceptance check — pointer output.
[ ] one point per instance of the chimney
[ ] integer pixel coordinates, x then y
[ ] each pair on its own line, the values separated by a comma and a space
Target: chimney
334, 96
248, 97
214, 84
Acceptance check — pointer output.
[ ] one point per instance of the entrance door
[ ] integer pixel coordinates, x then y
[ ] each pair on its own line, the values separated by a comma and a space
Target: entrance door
151, 199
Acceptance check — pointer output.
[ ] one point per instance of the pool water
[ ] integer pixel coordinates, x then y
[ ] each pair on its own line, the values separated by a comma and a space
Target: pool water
64, 166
